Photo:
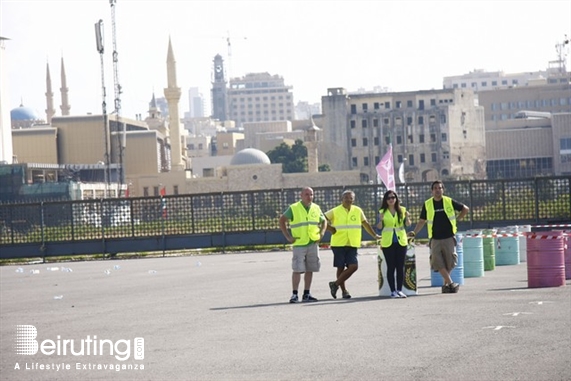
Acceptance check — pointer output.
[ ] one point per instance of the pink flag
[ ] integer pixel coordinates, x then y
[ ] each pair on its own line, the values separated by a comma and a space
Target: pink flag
386, 170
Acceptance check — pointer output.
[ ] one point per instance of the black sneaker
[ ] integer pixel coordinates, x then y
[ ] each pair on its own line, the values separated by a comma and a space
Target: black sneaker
333, 287
294, 299
308, 298
454, 287
346, 294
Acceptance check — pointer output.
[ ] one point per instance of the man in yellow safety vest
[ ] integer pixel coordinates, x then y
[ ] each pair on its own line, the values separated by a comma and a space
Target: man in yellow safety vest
308, 226
344, 223
439, 214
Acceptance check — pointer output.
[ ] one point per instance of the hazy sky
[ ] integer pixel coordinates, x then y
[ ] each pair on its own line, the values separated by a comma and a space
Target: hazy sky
314, 45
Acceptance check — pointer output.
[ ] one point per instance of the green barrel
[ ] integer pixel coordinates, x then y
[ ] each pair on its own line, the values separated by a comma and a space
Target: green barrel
489, 249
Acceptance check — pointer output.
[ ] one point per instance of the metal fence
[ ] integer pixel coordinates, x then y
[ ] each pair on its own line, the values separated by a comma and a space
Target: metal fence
250, 218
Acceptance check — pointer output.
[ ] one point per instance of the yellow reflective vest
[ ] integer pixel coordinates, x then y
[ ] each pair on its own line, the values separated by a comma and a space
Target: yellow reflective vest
448, 209
305, 224
348, 226
391, 225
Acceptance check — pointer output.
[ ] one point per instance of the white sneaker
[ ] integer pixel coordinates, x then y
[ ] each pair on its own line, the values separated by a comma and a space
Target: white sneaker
401, 294
395, 294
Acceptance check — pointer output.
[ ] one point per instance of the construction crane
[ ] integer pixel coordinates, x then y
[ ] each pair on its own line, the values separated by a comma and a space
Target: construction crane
230, 54
122, 141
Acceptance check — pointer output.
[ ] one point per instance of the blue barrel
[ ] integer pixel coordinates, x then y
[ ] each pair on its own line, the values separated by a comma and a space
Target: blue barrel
473, 248
507, 247
457, 273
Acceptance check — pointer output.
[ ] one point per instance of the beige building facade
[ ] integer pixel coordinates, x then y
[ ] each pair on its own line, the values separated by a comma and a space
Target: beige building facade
436, 133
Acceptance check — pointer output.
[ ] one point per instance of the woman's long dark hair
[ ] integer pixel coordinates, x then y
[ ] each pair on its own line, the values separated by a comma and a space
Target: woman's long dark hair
385, 204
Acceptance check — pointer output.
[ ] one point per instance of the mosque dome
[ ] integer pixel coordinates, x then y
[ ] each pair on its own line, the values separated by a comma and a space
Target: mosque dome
250, 156
24, 113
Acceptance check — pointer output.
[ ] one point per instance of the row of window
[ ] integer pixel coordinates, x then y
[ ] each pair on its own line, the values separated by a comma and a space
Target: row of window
265, 105
399, 139
257, 99
504, 82
530, 104
156, 191
258, 112
398, 121
422, 158
516, 168
399, 104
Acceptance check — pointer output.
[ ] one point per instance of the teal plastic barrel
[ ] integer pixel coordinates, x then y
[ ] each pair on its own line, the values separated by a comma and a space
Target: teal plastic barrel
473, 254
507, 247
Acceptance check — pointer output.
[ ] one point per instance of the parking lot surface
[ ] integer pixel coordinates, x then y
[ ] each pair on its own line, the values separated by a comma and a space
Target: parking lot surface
228, 317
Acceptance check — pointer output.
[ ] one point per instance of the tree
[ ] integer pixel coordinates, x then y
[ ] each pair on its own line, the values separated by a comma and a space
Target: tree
293, 159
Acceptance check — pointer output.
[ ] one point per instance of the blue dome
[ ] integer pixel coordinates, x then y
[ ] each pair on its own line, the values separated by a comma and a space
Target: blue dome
24, 113
250, 156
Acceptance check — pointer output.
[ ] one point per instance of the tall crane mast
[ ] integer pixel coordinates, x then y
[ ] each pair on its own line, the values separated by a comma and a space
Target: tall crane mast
118, 90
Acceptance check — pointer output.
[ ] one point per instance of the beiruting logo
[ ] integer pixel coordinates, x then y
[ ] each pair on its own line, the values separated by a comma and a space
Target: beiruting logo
26, 344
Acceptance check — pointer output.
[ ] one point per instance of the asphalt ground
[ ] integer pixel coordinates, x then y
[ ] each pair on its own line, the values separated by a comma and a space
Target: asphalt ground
227, 317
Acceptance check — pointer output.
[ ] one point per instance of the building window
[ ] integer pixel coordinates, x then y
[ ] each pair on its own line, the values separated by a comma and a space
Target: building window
444, 137
463, 85
353, 109
421, 138
354, 161
494, 83
442, 118
409, 104
410, 139
421, 120
410, 159
365, 107
408, 120
484, 84
387, 140
376, 140
375, 122
145, 191
200, 146
155, 191
191, 146
422, 158
433, 138
175, 189
421, 104
366, 161
386, 121
399, 158
387, 105
364, 123
353, 142
365, 142
433, 157
399, 104
399, 139
433, 102
377, 159
376, 105
446, 155
352, 123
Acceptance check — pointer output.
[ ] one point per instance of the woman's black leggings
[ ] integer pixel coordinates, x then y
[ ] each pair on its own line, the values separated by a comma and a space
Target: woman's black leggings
395, 255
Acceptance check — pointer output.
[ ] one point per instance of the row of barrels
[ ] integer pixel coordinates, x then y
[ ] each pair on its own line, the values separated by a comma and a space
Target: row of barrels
547, 254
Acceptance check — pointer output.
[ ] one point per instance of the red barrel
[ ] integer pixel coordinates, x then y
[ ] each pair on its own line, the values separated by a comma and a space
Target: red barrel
545, 259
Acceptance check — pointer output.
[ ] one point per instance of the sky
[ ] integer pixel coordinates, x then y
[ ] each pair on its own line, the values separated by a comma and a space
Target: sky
313, 44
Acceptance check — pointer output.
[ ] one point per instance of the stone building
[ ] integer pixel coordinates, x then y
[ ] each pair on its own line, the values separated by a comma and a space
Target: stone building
437, 133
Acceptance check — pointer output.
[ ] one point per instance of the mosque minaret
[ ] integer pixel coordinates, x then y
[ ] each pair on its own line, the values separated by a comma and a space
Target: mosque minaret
172, 94
50, 111
65, 107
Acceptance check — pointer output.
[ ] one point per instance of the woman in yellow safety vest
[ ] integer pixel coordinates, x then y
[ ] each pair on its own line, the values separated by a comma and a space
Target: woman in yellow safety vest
392, 221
